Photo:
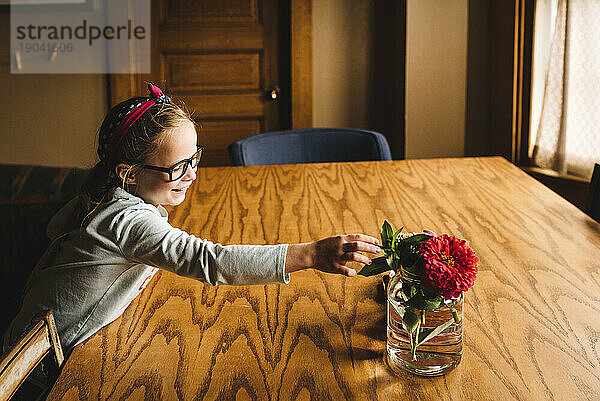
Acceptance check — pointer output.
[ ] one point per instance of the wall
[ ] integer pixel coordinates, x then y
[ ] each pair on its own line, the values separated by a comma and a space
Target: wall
436, 65
48, 119
342, 37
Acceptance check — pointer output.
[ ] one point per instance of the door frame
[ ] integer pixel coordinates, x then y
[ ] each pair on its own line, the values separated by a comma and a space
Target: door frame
124, 86
301, 69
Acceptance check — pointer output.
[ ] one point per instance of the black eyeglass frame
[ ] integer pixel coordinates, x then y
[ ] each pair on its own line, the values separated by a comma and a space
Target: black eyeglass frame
188, 162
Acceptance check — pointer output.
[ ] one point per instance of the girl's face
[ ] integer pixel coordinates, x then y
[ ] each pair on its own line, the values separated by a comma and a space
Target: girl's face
154, 186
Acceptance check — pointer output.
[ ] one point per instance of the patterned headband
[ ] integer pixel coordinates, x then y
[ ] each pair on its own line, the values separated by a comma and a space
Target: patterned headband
131, 111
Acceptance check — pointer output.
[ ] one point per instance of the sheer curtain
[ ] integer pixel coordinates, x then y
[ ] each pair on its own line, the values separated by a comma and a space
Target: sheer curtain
568, 136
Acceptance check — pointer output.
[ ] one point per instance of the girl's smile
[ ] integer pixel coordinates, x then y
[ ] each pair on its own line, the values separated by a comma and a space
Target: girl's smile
154, 186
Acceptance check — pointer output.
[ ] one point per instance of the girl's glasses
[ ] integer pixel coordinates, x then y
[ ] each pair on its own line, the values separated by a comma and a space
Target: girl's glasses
179, 169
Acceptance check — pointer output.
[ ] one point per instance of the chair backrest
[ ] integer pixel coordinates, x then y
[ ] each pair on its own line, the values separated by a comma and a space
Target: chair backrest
20, 360
29, 197
311, 145
594, 194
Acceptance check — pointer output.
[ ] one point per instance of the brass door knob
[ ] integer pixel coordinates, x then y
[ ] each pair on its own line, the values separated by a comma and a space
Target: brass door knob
273, 93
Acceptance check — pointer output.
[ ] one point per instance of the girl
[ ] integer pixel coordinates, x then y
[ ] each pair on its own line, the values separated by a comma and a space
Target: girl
109, 241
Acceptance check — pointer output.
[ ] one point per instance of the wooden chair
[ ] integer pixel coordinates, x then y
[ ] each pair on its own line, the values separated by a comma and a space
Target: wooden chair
27, 353
594, 194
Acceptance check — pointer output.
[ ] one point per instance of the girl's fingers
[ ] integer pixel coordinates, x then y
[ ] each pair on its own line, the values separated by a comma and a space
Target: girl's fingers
360, 246
362, 237
332, 253
355, 257
346, 271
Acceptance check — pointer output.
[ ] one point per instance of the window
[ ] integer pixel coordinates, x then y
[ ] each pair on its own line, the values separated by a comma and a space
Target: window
565, 123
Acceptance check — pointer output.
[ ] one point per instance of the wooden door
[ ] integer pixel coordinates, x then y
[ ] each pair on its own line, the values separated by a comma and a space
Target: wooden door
219, 58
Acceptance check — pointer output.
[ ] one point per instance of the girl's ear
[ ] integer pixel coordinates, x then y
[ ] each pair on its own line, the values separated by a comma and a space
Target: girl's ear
124, 173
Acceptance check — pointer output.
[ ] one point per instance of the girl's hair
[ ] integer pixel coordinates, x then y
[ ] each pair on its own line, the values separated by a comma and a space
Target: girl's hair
140, 142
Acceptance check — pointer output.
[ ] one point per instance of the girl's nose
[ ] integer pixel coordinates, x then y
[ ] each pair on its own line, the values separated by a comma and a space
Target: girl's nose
190, 174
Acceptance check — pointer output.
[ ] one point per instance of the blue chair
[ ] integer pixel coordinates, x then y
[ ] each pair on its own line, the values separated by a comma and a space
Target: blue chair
594, 194
311, 145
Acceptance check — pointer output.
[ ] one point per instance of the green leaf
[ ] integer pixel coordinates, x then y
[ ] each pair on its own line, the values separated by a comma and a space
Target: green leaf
417, 239
410, 320
430, 333
414, 339
431, 295
386, 234
412, 324
410, 261
377, 266
408, 291
455, 315
407, 254
395, 238
390, 260
419, 301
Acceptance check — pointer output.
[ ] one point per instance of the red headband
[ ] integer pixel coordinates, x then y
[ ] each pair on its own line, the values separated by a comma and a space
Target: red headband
156, 96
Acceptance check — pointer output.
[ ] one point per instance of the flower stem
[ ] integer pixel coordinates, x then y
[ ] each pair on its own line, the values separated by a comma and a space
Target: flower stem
455, 315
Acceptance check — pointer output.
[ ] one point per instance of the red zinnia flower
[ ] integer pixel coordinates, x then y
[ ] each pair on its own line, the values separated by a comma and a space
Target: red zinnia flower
449, 266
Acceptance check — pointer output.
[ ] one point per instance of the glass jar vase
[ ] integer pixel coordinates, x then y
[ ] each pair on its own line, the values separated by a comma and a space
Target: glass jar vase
436, 355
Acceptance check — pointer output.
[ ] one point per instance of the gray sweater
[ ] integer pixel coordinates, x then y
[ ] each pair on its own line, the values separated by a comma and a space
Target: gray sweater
88, 276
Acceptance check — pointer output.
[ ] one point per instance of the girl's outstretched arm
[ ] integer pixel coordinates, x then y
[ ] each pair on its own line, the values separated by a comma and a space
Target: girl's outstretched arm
331, 254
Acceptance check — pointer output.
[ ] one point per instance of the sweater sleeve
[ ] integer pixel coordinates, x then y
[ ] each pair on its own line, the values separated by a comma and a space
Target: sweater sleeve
145, 237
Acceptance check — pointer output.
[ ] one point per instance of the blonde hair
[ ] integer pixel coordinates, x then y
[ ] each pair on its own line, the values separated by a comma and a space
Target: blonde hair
141, 142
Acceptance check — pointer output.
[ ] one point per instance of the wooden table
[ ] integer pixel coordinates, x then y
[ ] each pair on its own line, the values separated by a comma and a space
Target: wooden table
532, 320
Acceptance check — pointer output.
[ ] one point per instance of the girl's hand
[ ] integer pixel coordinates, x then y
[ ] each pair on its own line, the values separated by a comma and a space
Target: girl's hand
331, 254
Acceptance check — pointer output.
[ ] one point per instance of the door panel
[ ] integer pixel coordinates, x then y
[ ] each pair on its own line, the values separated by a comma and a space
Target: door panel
190, 37
226, 106
218, 72
212, 11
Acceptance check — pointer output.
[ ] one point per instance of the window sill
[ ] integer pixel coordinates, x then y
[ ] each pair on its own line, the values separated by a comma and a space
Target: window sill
554, 174
572, 188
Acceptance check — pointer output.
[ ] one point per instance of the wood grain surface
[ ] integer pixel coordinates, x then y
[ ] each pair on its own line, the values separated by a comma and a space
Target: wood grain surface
532, 320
